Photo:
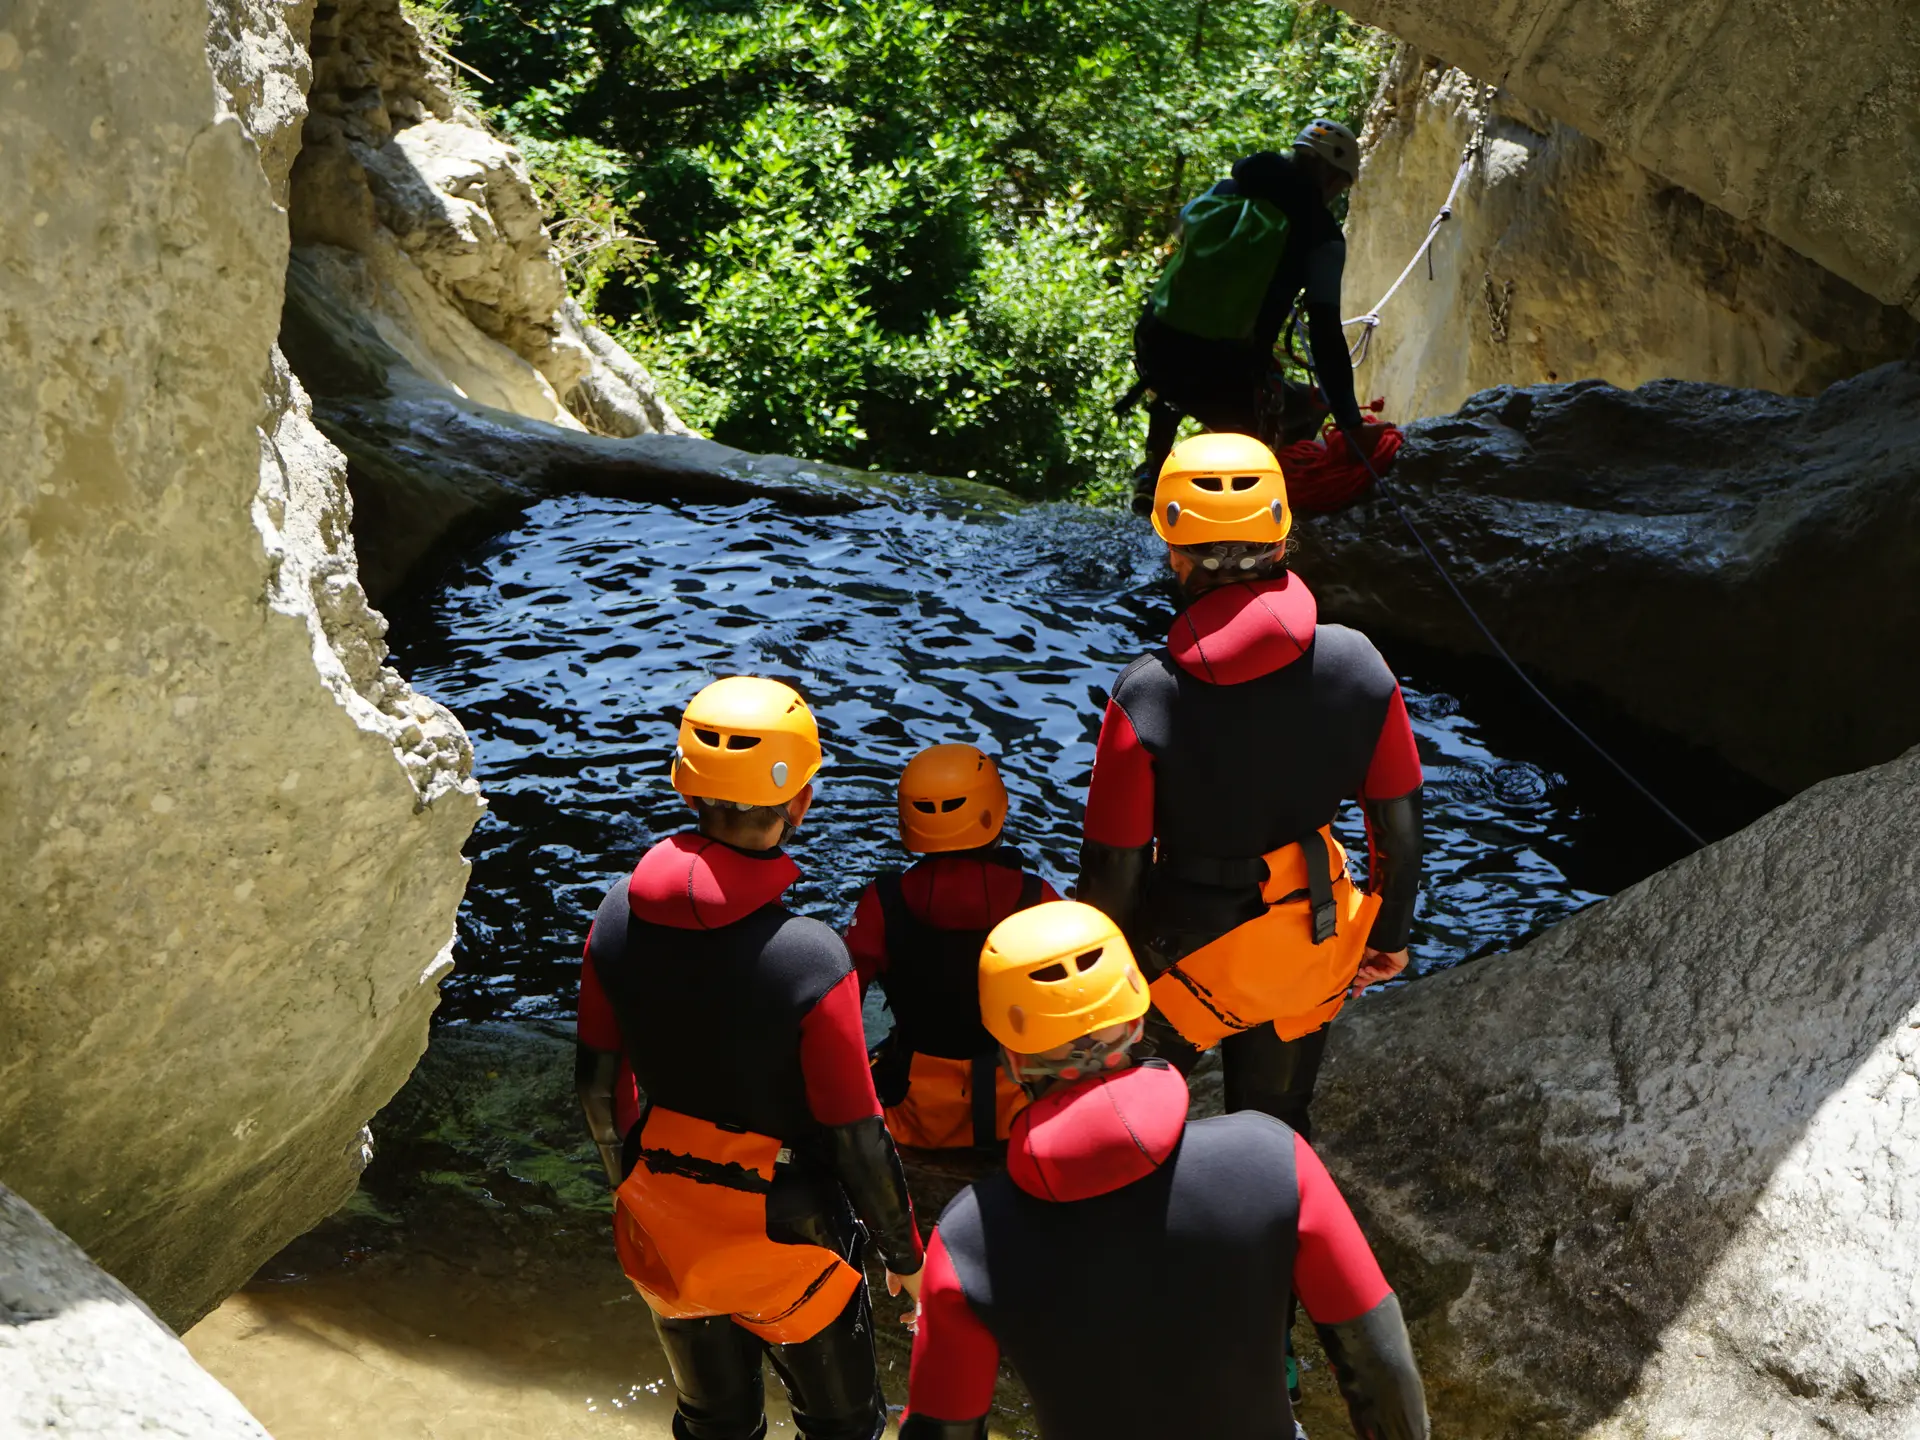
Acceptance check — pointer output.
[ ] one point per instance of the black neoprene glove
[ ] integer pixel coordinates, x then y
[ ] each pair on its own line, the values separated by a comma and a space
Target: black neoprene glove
1396, 829
869, 1168
1372, 1359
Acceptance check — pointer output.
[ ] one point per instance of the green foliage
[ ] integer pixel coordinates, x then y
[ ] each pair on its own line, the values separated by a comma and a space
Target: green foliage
438, 22
589, 204
890, 232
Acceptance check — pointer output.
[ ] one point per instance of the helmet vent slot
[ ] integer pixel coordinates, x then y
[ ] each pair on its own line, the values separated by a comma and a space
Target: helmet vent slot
742, 742
1050, 974
1245, 482
1210, 483
1087, 959
954, 804
707, 737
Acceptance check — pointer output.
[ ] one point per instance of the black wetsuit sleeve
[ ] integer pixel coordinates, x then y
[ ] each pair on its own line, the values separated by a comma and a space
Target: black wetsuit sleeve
1332, 366
869, 1167
1372, 1360
1395, 829
1112, 877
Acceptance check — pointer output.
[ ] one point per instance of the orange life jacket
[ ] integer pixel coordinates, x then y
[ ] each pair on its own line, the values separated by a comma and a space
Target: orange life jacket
690, 1225
1289, 966
932, 1072
946, 1100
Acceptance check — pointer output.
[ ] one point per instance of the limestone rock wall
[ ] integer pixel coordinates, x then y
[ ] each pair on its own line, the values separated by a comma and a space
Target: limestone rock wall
80, 1356
1566, 260
1653, 1174
231, 855
1799, 118
412, 219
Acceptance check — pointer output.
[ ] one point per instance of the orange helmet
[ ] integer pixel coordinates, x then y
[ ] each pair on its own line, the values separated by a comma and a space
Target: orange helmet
1055, 972
747, 740
951, 798
1221, 487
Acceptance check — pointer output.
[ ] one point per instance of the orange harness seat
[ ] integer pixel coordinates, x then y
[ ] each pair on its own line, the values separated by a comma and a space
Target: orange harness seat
1289, 966
939, 1111
690, 1225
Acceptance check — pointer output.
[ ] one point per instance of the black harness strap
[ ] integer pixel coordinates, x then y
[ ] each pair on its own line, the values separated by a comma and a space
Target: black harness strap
1228, 873
893, 1068
1237, 871
985, 1101
1319, 885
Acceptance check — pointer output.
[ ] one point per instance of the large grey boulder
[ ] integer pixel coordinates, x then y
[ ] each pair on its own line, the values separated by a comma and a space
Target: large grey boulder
1566, 260
1796, 117
1739, 568
231, 851
1653, 1175
82, 1358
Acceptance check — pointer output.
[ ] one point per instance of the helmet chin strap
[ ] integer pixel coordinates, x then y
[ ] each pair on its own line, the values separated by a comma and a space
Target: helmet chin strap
1036, 1073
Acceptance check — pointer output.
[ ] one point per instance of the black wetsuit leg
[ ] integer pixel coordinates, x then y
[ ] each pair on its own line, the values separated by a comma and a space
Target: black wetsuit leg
1215, 381
1163, 1042
831, 1379
716, 1370
1274, 1076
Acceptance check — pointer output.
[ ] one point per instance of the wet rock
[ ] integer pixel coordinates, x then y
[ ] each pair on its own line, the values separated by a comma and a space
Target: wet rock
231, 855
1736, 567
1565, 260
80, 1356
1799, 119
1651, 1175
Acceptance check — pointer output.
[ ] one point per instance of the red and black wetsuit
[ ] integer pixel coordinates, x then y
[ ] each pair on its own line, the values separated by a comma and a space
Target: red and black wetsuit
1136, 1270
1245, 733
918, 935
730, 1008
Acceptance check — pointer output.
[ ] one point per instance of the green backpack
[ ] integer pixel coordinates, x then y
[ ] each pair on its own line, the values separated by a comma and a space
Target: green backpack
1213, 285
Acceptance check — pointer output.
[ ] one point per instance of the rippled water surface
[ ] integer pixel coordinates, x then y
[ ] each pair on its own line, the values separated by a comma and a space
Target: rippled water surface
569, 644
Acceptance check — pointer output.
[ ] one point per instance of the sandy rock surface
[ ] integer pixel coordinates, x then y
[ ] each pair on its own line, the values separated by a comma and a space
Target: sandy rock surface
1739, 568
1799, 118
80, 1356
232, 850
1566, 260
1653, 1174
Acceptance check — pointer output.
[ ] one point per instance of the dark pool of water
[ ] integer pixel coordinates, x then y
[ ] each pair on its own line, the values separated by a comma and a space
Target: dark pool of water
569, 644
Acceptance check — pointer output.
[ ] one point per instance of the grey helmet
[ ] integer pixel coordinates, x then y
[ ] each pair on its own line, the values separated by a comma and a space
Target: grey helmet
1333, 143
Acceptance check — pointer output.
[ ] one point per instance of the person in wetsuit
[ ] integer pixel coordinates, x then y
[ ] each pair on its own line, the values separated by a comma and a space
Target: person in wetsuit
917, 934
1252, 246
1222, 759
761, 1139
1134, 1267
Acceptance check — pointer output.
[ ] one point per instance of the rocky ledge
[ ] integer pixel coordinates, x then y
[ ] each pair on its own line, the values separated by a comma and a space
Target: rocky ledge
1652, 1175
1736, 567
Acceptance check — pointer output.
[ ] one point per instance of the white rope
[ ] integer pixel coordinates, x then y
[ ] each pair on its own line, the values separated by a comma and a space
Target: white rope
1371, 319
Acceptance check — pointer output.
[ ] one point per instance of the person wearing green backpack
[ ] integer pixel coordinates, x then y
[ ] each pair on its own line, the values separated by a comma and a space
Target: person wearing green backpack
1249, 248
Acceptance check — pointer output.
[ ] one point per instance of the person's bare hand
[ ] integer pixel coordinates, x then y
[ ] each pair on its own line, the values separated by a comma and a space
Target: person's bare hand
1375, 966
910, 1284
